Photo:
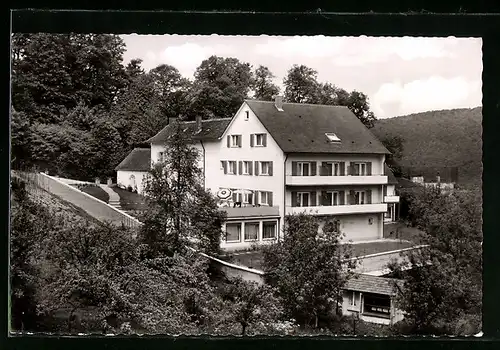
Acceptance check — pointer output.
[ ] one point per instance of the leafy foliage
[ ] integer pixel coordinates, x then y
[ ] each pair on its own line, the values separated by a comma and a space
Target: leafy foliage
182, 211
220, 86
448, 138
309, 267
263, 87
438, 295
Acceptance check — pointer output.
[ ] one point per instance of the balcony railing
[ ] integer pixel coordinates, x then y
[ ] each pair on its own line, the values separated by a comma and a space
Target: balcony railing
339, 209
251, 212
293, 180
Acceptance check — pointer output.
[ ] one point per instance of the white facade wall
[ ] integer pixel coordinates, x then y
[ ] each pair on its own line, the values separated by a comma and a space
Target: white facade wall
211, 153
391, 190
124, 177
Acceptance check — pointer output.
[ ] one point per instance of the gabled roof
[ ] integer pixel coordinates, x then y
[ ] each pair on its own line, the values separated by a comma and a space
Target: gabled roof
211, 130
373, 284
137, 160
390, 175
301, 128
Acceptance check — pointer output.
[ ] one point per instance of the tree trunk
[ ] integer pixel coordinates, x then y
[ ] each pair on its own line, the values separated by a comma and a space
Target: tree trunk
243, 328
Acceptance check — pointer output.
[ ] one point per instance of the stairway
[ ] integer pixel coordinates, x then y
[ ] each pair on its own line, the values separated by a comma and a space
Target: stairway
114, 198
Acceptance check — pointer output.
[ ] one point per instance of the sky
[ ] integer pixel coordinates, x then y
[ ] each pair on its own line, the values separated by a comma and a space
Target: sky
400, 75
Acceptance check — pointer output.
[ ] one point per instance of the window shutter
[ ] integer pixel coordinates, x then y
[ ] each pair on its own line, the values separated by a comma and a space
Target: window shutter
250, 168
240, 167
256, 168
264, 140
294, 168
251, 140
369, 168
239, 140
250, 198
314, 168
368, 196
270, 168
228, 141
324, 199
342, 168
270, 198
385, 190
240, 197
235, 197
342, 197
351, 169
224, 165
352, 197
294, 199
313, 199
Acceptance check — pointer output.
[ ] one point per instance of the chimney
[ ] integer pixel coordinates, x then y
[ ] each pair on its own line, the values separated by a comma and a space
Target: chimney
198, 123
278, 102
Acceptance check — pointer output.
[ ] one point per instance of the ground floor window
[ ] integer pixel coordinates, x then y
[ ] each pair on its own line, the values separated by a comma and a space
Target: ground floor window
251, 231
233, 232
269, 229
377, 305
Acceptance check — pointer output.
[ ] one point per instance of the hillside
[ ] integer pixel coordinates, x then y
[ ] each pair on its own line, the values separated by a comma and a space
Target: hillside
436, 139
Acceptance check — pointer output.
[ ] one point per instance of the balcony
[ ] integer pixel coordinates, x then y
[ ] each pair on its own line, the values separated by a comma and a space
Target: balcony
319, 180
340, 209
247, 212
391, 199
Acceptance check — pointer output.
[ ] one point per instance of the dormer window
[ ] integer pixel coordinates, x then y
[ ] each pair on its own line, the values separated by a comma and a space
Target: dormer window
332, 137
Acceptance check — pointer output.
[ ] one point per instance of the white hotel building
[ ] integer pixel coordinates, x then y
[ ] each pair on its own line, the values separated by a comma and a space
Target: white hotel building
281, 158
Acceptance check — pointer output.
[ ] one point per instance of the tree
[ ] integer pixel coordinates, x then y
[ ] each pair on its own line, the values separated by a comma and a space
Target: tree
220, 87
134, 69
254, 307
357, 102
55, 71
301, 85
449, 290
395, 145
181, 211
309, 267
263, 86
20, 136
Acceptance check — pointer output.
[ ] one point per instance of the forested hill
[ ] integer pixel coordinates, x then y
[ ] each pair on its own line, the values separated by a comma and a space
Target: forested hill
445, 138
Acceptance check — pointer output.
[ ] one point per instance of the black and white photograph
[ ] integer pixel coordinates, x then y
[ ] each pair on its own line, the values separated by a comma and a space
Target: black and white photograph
245, 185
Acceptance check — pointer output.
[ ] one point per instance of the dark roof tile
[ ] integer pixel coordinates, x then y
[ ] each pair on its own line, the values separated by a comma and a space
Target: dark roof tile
137, 160
301, 128
374, 284
212, 130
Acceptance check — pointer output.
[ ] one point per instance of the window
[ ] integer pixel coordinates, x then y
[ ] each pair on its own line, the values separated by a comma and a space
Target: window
331, 169
233, 232
247, 115
377, 305
360, 169
331, 198
251, 231
352, 298
388, 213
264, 198
160, 156
303, 199
264, 168
247, 198
303, 169
259, 139
269, 230
247, 166
234, 141
232, 167
359, 197
332, 137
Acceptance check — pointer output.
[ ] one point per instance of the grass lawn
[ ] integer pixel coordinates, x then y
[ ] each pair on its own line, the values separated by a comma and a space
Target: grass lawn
130, 200
254, 259
399, 230
94, 191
